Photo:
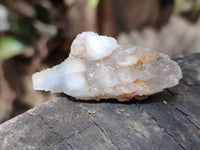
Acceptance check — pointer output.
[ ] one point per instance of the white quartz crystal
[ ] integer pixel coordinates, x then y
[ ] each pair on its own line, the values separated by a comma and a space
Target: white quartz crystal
99, 68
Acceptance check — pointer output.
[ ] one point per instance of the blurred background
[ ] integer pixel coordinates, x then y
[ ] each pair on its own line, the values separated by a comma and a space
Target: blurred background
36, 34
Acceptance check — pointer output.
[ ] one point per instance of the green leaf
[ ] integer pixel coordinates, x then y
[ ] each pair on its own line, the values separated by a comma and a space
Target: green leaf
93, 3
11, 46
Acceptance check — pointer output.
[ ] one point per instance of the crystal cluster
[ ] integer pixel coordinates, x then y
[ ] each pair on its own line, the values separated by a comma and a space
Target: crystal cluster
99, 68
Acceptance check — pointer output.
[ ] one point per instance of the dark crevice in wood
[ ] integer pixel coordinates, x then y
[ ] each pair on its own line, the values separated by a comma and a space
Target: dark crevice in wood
79, 132
186, 115
95, 123
163, 129
170, 92
105, 134
140, 133
52, 131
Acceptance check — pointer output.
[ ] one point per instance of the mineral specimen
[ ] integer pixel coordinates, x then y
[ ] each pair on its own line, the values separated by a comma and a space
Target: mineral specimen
99, 68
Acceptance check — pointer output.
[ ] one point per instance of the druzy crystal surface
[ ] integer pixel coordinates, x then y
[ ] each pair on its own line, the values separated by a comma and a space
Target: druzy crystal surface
99, 68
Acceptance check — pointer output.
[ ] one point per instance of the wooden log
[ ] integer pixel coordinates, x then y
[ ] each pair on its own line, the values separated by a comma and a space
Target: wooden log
168, 120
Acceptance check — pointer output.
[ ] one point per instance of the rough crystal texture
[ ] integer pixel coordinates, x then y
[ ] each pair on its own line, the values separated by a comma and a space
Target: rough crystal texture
99, 68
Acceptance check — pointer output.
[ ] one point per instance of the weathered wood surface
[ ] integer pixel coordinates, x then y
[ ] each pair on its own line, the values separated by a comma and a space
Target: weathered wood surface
167, 121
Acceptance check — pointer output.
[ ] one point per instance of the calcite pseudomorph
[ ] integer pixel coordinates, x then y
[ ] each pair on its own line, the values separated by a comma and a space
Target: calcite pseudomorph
99, 68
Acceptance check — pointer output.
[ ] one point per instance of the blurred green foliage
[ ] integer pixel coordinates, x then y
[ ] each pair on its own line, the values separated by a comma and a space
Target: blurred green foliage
93, 3
189, 9
30, 29
24, 29
11, 46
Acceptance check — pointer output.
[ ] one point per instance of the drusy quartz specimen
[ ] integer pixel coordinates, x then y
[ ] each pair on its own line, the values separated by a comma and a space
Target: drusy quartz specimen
99, 68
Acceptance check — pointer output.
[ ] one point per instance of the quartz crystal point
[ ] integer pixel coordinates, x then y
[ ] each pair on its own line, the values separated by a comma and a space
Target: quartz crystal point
99, 68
